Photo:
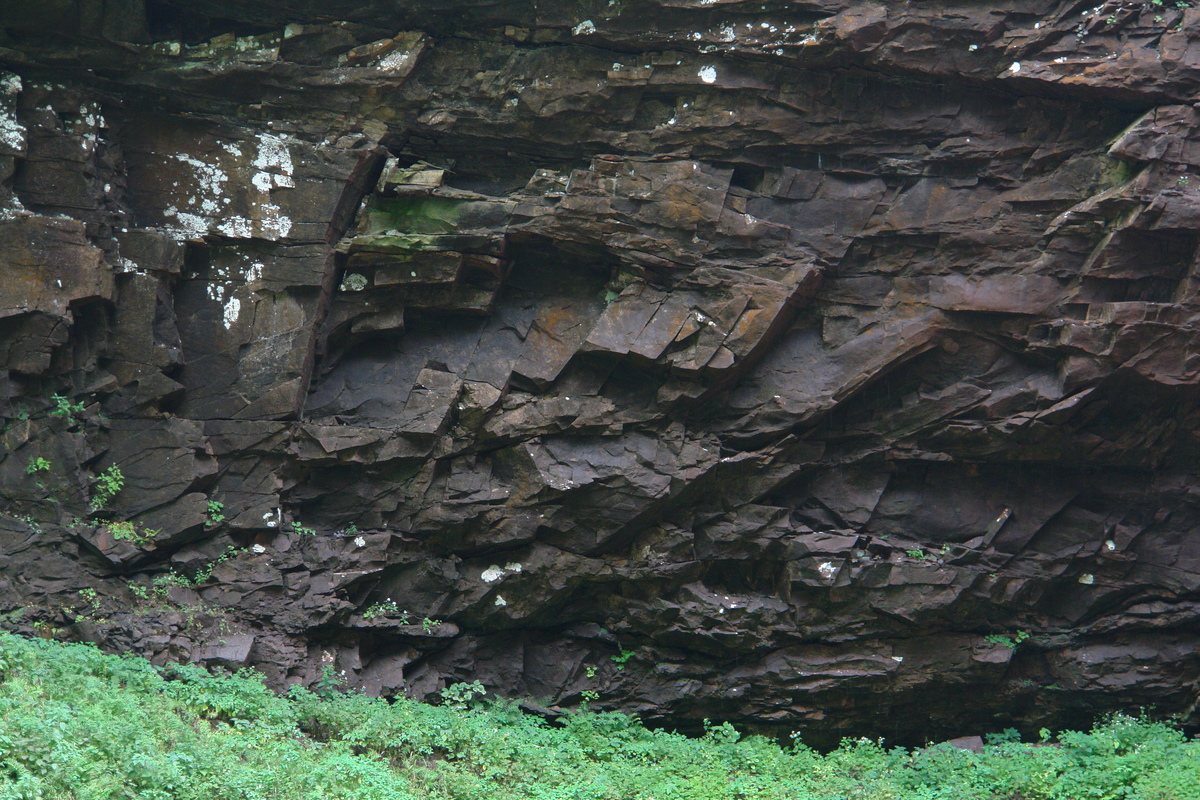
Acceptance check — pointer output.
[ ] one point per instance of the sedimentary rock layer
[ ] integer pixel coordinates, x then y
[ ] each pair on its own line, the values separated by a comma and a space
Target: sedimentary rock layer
810, 365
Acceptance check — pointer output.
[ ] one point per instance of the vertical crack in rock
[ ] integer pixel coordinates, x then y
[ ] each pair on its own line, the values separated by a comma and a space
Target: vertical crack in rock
362, 178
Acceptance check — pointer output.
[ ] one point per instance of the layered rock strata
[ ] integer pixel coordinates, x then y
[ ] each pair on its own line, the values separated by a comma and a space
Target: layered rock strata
810, 365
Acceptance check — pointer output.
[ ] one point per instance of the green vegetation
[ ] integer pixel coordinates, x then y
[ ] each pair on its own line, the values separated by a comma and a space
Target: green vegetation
1010, 642
300, 530
128, 532
75, 723
163, 583
38, 464
460, 695
385, 608
108, 484
216, 512
63, 407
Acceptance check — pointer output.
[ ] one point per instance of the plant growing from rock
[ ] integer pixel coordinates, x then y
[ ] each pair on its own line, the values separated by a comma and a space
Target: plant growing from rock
108, 484
384, 608
1011, 642
128, 532
216, 512
38, 464
63, 407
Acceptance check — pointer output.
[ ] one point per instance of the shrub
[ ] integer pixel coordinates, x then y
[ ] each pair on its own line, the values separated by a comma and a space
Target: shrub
78, 723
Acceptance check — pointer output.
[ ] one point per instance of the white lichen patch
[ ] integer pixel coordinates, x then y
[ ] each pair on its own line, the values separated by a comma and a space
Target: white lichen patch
708, 74
827, 569
236, 227
500, 601
230, 314
273, 156
275, 225
496, 572
584, 28
210, 179
395, 60
354, 282
187, 224
12, 133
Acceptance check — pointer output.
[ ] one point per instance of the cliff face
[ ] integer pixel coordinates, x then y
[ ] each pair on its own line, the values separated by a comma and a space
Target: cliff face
823, 366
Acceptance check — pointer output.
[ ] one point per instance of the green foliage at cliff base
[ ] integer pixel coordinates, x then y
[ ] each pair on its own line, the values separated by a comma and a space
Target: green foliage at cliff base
77, 724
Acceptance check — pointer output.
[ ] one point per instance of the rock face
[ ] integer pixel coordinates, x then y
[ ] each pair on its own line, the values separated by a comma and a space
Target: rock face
814, 365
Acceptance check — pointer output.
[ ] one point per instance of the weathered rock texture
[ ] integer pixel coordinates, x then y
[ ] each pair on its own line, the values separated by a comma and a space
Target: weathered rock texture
734, 360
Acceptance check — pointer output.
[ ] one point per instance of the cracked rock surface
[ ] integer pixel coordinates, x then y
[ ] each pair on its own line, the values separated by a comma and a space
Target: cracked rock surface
821, 366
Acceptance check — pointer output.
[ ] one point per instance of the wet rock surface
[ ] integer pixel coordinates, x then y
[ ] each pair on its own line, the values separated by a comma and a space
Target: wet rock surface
825, 367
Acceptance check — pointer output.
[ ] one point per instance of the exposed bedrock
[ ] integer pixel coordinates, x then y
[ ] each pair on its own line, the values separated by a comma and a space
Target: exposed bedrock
820, 366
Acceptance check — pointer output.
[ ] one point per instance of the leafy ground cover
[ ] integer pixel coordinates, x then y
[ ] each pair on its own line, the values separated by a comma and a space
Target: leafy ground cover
78, 724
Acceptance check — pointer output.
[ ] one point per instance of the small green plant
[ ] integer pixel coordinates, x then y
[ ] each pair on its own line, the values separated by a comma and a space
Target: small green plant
163, 583
330, 684
589, 696
428, 624
1183, 180
460, 695
1007, 736
216, 512
300, 530
620, 660
32, 523
920, 555
139, 591
128, 532
38, 464
591, 671
88, 595
63, 407
1010, 642
204, 573
382, 609
109, 482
